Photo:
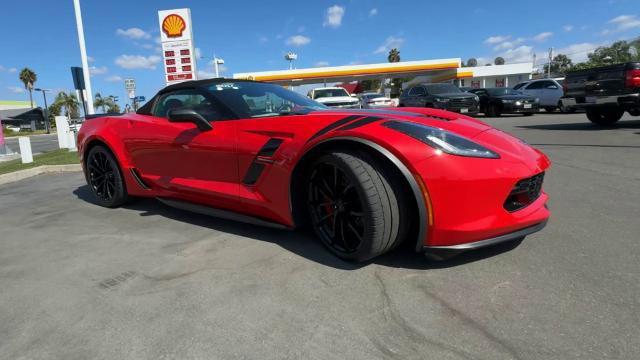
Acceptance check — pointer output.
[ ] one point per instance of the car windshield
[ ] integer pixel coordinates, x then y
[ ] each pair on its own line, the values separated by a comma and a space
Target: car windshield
322, 93
437, 89
254, 99
371, 96
520, 85
503, 91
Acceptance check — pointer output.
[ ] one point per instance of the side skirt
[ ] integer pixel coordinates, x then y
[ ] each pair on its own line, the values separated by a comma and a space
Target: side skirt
224, 214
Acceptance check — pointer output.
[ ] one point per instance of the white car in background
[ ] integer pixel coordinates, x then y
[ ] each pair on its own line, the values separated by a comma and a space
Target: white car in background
374, 100
335, 97
549, 91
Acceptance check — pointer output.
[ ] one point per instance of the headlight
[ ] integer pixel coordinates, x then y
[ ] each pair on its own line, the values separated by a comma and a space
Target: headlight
442, 100
476, 98
442, 140
518, 102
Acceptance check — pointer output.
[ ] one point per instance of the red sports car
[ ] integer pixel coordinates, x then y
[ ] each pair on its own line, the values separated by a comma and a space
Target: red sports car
364, 180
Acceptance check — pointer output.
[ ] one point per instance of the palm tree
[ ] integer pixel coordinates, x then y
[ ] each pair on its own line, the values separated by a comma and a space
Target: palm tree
28, 78
69, 102
394, 55
101, 102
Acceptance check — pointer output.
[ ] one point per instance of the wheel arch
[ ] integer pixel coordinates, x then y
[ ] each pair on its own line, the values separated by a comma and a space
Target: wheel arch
296, 184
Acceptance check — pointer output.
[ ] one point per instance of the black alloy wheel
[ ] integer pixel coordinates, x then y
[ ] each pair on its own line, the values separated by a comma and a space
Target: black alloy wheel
336, 208
356, 205
104, 177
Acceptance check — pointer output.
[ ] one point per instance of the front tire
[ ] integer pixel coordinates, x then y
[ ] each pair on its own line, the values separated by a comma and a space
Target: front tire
604, 117
105, 178
353, 207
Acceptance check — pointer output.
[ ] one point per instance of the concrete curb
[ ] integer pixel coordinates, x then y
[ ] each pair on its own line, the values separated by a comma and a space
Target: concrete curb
45, 169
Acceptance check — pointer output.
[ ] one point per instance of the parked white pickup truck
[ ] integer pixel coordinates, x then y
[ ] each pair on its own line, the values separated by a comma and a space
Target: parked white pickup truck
335, 97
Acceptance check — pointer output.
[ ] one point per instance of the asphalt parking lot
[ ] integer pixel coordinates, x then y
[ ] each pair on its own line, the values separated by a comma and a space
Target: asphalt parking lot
39, 143
146, 281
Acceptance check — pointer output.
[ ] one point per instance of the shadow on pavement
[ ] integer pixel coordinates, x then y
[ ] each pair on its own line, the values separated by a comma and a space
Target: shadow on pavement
623, 124
301, 242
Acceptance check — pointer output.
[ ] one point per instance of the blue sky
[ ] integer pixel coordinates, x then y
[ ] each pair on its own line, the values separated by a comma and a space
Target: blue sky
250, 36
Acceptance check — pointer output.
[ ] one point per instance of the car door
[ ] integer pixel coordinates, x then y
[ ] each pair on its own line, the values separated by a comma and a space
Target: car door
418, 95
179, 159
533, 89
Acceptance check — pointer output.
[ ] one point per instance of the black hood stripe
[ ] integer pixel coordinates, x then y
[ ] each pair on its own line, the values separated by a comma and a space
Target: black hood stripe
334, 125
359, 123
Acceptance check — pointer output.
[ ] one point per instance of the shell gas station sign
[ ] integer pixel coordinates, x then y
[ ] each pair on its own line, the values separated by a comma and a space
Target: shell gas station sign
178, 53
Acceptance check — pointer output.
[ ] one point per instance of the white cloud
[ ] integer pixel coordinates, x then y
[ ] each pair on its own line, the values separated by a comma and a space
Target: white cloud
321, 63
90, 59
2, 68
206, 74
15, 89
543, 36
333, 17
137, 61
522, 53
492, 40
134, 33
147, 46
262, 39
577, 52
298, 40
567, 28
373, 12
390, 43
508, 44
198, 53
12, 70
625, 22
114, 78
93, 70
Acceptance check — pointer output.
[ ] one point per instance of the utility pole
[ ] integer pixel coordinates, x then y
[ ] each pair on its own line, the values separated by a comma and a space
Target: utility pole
550, 62
46, 109
83, 56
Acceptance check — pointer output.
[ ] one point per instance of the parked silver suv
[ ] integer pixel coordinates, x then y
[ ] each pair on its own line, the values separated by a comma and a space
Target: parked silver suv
549, 91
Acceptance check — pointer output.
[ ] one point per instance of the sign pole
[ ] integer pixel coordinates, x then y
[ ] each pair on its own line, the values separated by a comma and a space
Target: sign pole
3, 149
83, 56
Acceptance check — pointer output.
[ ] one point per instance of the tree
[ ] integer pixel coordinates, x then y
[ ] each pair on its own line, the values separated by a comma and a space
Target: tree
394, 55
99, 101
28, 78
69, 102
618, 52
498, 61
560, 65
472, 62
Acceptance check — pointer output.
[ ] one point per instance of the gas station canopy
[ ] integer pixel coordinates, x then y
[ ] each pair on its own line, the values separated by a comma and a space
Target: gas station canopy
438, 67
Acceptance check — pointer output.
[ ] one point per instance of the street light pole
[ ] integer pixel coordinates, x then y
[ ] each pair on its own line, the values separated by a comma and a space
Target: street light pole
47, 124
83, 56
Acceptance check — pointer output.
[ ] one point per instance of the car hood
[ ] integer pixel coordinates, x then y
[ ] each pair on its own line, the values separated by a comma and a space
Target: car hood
336, 99
509, 147
455, 95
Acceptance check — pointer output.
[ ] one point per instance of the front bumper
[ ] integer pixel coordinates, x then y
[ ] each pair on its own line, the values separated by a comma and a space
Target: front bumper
519, 109
344, 106
625, 102
447, 251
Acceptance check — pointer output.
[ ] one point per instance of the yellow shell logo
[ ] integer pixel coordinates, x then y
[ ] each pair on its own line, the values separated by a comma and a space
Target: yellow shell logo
173, 25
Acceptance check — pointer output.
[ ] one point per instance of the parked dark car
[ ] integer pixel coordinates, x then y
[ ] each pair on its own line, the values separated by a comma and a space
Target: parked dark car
497, 101
440, 96
605, 93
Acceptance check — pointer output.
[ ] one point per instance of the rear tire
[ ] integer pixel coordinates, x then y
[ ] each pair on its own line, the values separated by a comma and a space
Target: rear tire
493, 111
105, 178
355, 206
604, 117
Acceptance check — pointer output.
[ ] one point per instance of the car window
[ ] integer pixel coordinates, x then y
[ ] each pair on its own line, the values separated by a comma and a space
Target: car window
417, 91
187, 99
536, 85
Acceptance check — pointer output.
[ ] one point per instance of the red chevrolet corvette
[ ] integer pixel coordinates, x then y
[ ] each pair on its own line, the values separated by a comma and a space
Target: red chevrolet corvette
364, 180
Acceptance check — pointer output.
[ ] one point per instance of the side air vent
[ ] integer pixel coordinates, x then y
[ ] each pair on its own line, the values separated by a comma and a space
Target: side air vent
524, 193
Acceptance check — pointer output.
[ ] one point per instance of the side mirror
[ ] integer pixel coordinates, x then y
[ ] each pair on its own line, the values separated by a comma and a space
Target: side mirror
189, 115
